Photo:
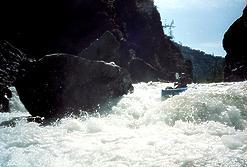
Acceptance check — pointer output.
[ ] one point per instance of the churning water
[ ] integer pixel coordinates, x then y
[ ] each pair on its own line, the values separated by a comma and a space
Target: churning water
204, 126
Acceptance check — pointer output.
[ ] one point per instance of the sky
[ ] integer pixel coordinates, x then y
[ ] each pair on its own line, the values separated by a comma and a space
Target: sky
200, 24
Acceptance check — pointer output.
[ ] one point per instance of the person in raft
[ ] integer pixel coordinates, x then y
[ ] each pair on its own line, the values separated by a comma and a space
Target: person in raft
182, 81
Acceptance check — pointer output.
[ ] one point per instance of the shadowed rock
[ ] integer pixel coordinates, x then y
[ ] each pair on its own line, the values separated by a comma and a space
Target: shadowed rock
143, 72
234, 43
62, 84
105, 48
68, 26
10, 59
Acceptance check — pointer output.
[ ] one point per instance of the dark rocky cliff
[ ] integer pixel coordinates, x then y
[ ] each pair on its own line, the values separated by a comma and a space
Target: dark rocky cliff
126, 32
235, 44
68, 26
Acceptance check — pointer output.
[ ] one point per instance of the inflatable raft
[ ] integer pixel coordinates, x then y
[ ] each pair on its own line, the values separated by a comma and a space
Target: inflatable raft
172, 91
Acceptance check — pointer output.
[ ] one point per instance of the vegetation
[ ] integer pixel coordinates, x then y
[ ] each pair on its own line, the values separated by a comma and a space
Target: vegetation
206, 67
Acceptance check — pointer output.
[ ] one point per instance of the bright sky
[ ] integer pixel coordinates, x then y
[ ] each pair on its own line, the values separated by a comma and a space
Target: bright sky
200, 24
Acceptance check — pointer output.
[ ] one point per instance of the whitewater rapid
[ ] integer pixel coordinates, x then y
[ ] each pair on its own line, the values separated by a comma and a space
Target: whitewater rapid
204, 126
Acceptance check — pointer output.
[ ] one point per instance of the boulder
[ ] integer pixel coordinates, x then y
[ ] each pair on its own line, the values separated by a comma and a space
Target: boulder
234, 43
62, 84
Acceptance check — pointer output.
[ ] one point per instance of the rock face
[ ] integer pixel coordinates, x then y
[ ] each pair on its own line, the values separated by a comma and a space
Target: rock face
10, 59
68, 26
140, 23
234, 43
61, 84
126, 32
105, 48
141, 71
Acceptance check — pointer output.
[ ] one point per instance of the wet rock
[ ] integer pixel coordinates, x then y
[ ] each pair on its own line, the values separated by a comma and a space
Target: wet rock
62, 84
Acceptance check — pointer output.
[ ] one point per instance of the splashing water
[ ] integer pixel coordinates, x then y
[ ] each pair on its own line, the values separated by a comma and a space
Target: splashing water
204, 126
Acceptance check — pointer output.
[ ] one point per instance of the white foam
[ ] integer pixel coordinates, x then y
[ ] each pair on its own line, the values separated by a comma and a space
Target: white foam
204, 126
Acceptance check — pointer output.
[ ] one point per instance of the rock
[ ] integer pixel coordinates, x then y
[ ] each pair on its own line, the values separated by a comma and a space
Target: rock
141, 71
68, 26
105, 48
62, 84
10, 59
108, 49
46, 27
234, 43
146, 37
189, 69
169, 60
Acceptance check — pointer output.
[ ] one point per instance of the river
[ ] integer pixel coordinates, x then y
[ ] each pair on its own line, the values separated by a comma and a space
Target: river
204, 126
